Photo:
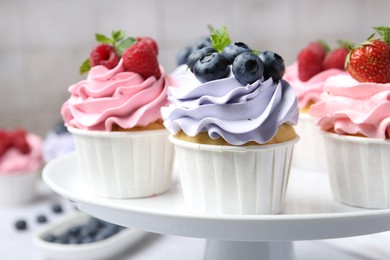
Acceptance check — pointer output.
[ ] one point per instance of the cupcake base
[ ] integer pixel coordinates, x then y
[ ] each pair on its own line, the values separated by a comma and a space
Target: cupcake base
359, 170
220, 179
125, 164
18, 188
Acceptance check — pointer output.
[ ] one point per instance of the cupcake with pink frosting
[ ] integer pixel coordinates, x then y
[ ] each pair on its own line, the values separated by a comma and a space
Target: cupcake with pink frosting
232, 126
20, 166
314, 65
354, 116
114, 116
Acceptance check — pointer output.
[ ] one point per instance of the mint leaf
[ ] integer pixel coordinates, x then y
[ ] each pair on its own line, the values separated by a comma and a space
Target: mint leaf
220, 38
85, 67
118, 35
103, 39
384, 31
123, 45
256, 52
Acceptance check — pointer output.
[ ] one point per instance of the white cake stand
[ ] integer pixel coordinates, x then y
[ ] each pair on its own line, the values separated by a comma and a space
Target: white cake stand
309, 213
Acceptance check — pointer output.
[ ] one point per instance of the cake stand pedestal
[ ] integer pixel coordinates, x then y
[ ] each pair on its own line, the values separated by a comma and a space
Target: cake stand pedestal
309, 213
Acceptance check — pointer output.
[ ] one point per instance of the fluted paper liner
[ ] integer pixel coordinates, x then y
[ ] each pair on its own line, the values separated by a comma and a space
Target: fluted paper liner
18, 188
309, 152
234, 180
123, 165
359, 170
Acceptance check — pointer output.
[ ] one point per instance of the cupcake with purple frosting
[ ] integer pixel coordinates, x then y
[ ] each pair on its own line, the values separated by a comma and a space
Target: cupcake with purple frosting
231, 122
57, 142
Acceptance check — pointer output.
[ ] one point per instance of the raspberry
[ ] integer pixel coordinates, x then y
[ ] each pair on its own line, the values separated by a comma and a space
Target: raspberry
310, 60
105, 55
336, 59
149, 41
141, 58
19, 141
5, 142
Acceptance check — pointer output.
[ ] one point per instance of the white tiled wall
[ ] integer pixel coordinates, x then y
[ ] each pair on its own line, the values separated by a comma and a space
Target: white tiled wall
43, 42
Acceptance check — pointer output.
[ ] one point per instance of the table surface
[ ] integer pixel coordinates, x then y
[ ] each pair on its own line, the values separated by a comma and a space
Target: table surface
18, 244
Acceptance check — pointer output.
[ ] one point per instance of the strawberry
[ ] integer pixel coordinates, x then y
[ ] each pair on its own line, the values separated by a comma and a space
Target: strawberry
370, 61
105, 55
310, 60
141, 58
19, 141
150, 41
336, 59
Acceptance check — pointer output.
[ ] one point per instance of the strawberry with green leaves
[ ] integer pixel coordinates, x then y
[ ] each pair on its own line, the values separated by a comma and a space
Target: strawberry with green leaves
370, 61
335, 59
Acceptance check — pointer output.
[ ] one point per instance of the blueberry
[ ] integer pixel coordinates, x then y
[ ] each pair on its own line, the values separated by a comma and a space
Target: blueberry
202, 42
211, 67
182, 56
61, 128
247, 68
87, 239
50, 238
21, 224
74, 231
231, 51
56, 208
273, 65
63, 239
41, 219
196, 55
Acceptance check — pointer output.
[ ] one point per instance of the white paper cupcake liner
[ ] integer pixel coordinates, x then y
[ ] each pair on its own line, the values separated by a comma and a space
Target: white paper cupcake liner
125, 164
234, 180
18, 188
309, 152
359, 170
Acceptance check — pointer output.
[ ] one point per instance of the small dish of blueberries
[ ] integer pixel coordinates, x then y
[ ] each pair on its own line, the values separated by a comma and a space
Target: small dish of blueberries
81, 236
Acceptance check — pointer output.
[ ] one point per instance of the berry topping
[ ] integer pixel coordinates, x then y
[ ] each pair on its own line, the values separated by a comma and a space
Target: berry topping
14, 139
5, 142
370, 61
109, 51
19, 141
211, 67
141, 58
336, 59
105, 55
196, 55
231, 51
310, 60
182, 56
202, 42
273, 65
247, 68
149, 41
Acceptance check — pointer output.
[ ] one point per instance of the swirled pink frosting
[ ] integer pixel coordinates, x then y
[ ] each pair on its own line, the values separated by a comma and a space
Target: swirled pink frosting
115, 96
351, 107
310, 91
14, 161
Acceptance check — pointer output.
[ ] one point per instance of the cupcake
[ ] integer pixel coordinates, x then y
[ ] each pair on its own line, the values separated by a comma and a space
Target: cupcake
57, 142
231, 123
354, 116
114, 116
315, 63
20, 166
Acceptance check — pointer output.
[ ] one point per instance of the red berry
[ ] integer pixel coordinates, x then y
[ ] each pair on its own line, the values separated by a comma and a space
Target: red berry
5, 142
19, 141
105, 55
370, 62
140, 58
310, 60
151, 42
336, 59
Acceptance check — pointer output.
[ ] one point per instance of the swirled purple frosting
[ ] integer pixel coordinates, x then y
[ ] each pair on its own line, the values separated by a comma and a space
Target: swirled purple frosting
226, 108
